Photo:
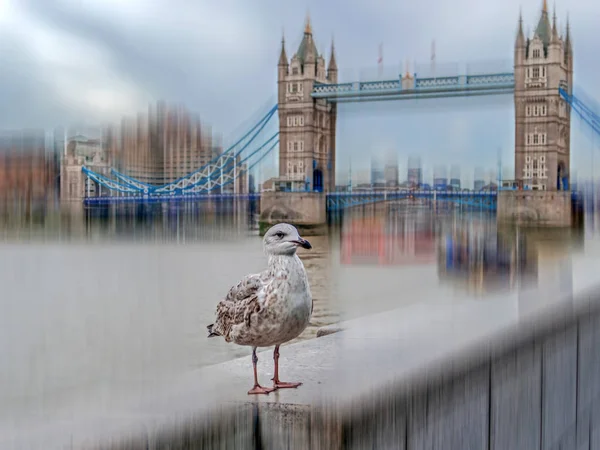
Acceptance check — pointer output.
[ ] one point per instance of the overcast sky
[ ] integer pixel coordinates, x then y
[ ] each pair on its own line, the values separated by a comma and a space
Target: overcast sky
92, 61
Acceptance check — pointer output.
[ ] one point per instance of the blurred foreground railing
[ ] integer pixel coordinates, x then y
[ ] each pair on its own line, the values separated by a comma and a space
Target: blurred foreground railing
514, 372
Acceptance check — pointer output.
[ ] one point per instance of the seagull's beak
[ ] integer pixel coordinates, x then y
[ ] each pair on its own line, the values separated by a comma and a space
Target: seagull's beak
302, 243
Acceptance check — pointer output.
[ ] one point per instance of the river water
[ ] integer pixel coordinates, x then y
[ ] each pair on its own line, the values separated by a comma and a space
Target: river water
98, 305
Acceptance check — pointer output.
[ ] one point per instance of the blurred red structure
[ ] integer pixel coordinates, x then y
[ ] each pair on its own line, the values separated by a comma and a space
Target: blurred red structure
27, 173
370, 241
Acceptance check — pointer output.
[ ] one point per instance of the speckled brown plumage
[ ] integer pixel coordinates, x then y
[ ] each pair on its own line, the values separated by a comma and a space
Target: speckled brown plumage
268, 308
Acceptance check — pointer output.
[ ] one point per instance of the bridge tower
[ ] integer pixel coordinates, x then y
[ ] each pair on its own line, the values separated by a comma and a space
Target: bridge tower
542, 117
306, 125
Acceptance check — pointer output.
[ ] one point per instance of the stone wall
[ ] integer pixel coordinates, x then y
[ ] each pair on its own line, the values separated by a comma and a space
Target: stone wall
535, 208
305, 210
535, 387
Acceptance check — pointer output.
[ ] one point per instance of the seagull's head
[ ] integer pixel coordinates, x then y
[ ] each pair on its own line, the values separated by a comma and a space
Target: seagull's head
283, 239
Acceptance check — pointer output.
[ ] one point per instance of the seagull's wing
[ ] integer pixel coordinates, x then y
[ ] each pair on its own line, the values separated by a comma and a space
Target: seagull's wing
238, 305
247, 287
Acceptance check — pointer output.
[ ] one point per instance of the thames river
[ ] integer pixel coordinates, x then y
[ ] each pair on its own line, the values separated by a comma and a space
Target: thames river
95, 307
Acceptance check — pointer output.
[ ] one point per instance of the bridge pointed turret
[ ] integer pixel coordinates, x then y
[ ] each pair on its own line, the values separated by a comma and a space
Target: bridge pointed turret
307, 25
544, 29
283, 60
555, 38
520, 41
568, 46
332, 67
307, 50
520, 44
568, 42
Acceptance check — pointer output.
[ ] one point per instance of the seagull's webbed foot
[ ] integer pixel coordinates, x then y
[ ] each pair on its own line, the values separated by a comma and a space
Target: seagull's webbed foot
284, 384
258, 389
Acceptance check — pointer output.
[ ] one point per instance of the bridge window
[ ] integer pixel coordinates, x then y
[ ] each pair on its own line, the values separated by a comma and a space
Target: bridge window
295, 71
536, 138
536, 72
543, 71
536, 110
295, 146
294, 88
536, 53
295, 121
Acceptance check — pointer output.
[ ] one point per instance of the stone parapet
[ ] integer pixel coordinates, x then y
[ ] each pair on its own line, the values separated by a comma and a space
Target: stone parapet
305, 210
535, 208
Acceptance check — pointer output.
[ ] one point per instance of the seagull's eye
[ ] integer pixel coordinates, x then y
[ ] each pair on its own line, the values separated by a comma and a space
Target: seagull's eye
279, 234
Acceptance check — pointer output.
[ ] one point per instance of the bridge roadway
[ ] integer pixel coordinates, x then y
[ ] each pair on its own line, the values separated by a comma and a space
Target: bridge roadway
412, 88
516, 371
335, 201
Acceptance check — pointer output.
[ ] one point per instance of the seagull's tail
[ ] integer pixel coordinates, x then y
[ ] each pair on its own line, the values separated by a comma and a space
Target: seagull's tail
212, 333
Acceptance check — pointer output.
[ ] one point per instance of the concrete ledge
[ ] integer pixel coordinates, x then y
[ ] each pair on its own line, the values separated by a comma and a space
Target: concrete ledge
517, 371
330, 329
305, 210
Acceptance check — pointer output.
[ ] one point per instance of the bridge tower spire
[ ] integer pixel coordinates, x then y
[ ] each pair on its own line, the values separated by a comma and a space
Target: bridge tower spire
542, 118
306, 125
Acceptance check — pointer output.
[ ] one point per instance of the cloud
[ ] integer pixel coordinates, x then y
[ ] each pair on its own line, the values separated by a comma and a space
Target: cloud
66, 60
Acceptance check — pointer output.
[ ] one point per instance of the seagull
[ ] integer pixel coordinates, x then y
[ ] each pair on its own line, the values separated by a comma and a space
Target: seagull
271, 307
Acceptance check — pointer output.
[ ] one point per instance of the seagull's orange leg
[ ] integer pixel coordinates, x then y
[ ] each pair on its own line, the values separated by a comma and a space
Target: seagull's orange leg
276, 383
257, 389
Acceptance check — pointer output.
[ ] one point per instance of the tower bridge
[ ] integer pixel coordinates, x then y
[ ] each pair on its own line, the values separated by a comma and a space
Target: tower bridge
308, 92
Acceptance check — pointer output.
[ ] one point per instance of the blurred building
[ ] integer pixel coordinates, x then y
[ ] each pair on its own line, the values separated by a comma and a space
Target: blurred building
390, 171
478, 179
59, 146
82, 151
162, 145
440, 177
27, 172
415, 172
455, 177
377, 172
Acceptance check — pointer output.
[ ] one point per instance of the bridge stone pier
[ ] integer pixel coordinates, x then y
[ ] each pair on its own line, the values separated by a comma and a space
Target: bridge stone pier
535, 208
306, 210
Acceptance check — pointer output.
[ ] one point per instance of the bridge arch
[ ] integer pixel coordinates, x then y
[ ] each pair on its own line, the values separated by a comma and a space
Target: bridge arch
562, 178
317, 180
